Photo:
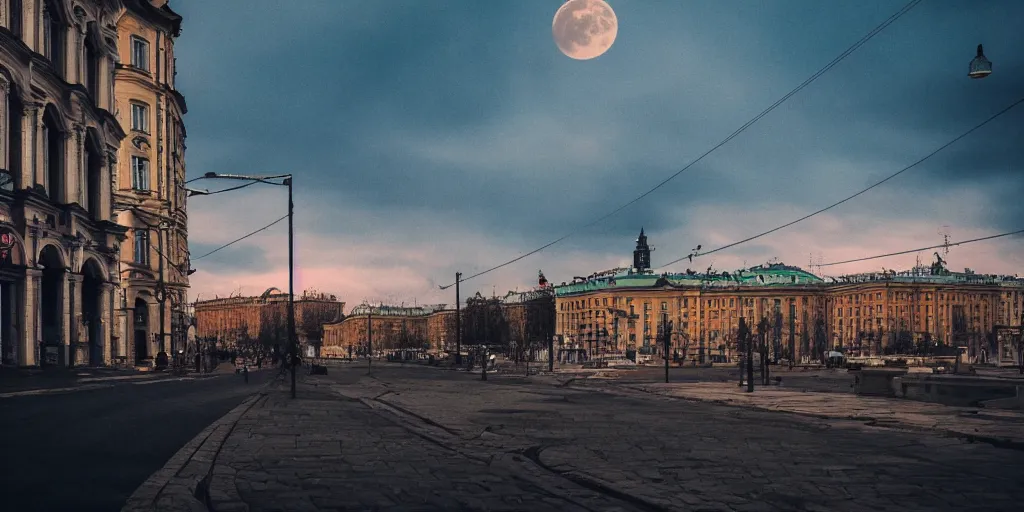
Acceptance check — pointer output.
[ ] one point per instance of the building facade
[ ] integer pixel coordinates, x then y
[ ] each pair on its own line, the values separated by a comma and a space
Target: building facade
389, 329
58, 153
149, 190
232, 320
915, 311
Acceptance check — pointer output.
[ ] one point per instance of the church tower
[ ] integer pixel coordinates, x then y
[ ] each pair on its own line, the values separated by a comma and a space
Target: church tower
642, 254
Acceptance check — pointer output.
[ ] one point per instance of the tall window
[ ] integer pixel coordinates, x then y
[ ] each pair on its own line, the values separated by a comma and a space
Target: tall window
53, 38
92, 69
140, 173
140, 53
142, 246
15, 15
140, 118
53, 158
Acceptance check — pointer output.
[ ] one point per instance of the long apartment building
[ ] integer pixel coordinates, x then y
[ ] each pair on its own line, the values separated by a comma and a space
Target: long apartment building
389, 328
231, 319
623, 309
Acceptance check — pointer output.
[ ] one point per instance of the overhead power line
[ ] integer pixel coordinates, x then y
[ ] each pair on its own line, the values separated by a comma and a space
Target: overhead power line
889, 21
264, 228
911, 251
862, 191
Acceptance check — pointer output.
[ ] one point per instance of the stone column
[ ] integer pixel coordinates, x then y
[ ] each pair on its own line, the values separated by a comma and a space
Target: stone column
108, 184
28, 352
79, 53
73, 306
66, 317
31, 145
106, 322
76, 166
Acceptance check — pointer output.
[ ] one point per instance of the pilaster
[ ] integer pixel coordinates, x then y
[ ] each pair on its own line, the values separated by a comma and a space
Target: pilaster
76, 172
67, 288
75, 329
107, 322
28, 352
32, 145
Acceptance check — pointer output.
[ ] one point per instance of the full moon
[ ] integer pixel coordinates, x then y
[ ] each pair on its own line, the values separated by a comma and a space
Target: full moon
584, 29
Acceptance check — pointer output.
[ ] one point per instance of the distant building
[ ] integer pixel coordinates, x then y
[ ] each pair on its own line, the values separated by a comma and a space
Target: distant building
265, 318
388, 329
622, 310
521, 322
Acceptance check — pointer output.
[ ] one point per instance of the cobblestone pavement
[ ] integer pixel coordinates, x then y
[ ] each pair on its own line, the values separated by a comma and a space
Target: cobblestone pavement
324, 452
661, 453
972, 422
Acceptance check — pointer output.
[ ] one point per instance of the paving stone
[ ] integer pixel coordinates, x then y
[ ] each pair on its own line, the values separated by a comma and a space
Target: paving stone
329, 452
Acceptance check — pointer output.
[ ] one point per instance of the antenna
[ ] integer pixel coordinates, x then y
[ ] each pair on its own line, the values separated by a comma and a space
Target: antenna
945, 239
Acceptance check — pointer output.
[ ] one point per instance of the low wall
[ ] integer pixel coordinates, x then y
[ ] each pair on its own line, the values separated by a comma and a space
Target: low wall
955, 391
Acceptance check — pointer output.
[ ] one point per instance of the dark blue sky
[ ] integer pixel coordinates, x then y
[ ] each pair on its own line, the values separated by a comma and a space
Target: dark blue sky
433, 136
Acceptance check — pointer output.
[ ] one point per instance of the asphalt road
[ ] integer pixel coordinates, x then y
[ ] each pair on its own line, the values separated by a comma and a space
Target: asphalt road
89, 450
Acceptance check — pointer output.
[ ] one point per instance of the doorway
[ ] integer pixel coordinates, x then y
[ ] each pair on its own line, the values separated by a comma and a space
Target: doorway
141, 322
52, 307
92, 298
9, 331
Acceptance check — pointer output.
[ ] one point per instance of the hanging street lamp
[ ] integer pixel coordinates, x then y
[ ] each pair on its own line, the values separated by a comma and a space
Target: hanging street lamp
980, 66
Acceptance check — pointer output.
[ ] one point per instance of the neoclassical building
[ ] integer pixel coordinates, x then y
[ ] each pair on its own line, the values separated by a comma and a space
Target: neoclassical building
58, 152
622, 310
265, 318
149, 190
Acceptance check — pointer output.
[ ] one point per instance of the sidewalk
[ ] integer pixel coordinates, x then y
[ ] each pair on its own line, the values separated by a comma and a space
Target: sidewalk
323, 451
989, 425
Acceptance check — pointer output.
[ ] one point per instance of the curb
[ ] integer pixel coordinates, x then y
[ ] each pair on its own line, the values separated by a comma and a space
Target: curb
181, 485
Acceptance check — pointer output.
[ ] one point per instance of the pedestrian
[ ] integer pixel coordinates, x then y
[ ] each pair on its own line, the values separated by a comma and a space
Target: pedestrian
245, 372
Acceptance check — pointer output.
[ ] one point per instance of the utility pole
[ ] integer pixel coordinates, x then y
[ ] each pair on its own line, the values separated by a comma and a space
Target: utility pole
667, 328
750, 362
293, 342
369, 338
551, 337
161, 291
762, 334
458, 321
741, 337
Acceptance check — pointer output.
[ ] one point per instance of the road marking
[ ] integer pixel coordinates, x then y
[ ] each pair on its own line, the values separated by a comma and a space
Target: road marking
49, 391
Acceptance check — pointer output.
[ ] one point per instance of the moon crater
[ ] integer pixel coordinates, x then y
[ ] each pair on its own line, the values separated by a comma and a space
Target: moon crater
585, 29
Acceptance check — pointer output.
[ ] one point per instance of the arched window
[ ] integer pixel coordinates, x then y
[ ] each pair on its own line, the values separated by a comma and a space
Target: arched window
54, 30
53, 156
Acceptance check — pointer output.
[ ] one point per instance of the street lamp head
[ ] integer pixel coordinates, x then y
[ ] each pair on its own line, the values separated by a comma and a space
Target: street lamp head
210, 174
980, 66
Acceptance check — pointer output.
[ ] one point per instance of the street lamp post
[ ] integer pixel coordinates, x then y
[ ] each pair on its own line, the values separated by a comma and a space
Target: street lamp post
286, 181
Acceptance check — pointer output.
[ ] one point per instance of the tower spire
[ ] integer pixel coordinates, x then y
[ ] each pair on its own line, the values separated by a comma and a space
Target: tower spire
642, 253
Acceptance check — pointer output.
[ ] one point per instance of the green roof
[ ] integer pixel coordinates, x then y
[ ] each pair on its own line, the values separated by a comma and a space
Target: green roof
778, 274
765, 275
